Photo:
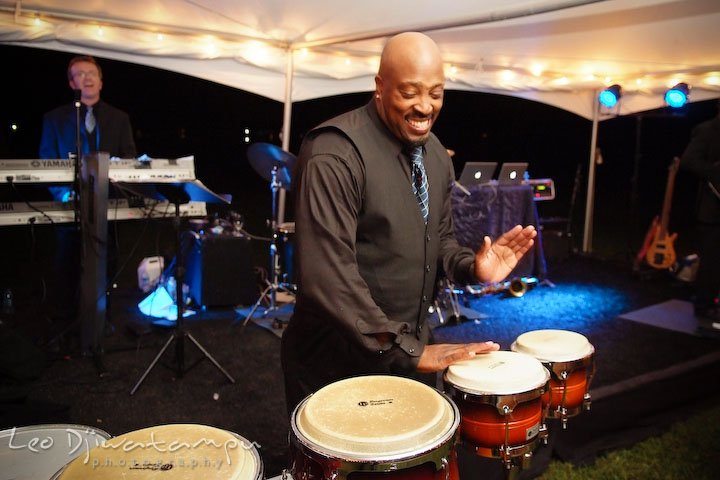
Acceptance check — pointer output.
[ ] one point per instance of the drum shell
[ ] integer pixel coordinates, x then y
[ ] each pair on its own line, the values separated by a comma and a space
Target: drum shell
309, 464
500, 398
435, 461
571, 369
568, 393
483, 426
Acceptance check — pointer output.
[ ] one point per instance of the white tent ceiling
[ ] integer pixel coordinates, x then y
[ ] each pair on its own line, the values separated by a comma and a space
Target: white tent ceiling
556, 52
559, 52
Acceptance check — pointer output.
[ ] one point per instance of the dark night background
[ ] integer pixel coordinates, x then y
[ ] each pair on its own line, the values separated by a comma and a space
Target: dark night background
175, 115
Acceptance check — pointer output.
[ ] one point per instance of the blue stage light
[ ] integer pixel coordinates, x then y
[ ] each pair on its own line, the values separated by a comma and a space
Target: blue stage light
677, 96
610, 96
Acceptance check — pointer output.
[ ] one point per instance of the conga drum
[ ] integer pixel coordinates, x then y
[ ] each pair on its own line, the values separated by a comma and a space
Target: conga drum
570, 358
37, 452
500, 397
174, 452
375, 427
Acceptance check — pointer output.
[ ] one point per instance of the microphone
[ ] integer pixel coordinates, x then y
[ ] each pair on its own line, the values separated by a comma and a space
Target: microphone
77, 95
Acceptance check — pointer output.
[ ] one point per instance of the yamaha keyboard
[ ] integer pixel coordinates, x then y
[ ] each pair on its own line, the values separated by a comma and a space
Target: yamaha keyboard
19, 213
129, 170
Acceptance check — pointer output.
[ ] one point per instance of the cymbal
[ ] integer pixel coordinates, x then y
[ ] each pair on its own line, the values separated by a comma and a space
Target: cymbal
265, 157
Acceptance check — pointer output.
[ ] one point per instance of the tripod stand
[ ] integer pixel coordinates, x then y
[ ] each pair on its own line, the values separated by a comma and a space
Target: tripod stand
274, 284
179, 196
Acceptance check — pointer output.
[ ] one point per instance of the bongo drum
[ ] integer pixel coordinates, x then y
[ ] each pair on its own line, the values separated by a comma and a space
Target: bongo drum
37, 452
500, 397
176, 452
570, 358
372, 427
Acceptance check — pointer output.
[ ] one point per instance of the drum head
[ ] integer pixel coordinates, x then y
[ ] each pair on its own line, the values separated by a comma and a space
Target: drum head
38, 451
375, 417
497, 373
177, 452
553, 345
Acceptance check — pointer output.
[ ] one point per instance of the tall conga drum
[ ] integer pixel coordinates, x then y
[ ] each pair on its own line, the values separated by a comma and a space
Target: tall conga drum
499, 395
570, 358
374, 427
171, 452
38, 451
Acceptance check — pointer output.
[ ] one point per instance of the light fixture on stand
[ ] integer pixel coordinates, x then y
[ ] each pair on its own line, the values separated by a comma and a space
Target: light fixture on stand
678, 95
610, 96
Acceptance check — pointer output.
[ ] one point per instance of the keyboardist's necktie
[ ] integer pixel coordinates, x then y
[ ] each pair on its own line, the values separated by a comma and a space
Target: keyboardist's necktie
90, 120
419, 180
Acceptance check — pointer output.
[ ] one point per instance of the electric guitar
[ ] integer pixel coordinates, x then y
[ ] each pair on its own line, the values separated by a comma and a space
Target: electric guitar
649, 236
661, 252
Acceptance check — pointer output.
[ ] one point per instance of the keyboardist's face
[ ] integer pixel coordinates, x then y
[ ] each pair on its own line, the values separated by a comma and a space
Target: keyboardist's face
86, 77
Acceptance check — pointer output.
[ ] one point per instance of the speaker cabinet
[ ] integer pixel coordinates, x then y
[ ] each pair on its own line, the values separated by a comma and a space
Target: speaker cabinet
220, 270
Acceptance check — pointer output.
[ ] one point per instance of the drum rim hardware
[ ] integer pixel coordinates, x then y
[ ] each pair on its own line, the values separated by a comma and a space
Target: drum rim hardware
339, 465
561, 370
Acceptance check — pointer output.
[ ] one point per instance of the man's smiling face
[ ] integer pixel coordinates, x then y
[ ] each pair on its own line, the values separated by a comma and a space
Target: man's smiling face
409, 89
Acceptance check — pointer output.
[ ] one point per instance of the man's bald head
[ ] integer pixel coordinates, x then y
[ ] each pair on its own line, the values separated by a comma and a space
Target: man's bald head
406, 50
409, 86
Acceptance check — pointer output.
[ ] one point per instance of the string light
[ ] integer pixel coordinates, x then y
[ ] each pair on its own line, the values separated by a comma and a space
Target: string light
713, 79
507, 75
537, 69
262, 54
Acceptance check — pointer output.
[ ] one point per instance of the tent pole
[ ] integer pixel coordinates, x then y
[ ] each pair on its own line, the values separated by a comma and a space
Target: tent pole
587, 236
287, 115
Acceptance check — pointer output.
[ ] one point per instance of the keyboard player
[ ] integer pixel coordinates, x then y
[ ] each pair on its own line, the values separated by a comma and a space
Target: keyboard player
102, 128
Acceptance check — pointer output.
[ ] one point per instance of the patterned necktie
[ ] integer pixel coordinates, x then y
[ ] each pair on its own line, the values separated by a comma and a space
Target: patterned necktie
89, 120
419, 183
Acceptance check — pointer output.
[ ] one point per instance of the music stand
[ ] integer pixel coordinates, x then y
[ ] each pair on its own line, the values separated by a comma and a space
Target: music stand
179, 193
274, 165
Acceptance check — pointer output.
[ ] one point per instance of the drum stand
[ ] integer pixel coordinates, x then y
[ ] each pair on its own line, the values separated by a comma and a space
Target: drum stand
274, 285
180, 333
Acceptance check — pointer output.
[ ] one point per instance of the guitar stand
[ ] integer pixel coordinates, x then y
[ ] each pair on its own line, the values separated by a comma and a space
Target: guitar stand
180, 333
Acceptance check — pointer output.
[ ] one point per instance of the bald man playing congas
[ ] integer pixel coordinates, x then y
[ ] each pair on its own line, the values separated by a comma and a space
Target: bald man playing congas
373, 224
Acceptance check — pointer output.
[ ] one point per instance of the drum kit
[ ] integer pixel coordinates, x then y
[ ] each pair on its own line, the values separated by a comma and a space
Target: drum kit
274, 165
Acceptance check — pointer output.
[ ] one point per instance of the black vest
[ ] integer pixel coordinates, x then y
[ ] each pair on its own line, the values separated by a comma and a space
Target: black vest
396, 252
